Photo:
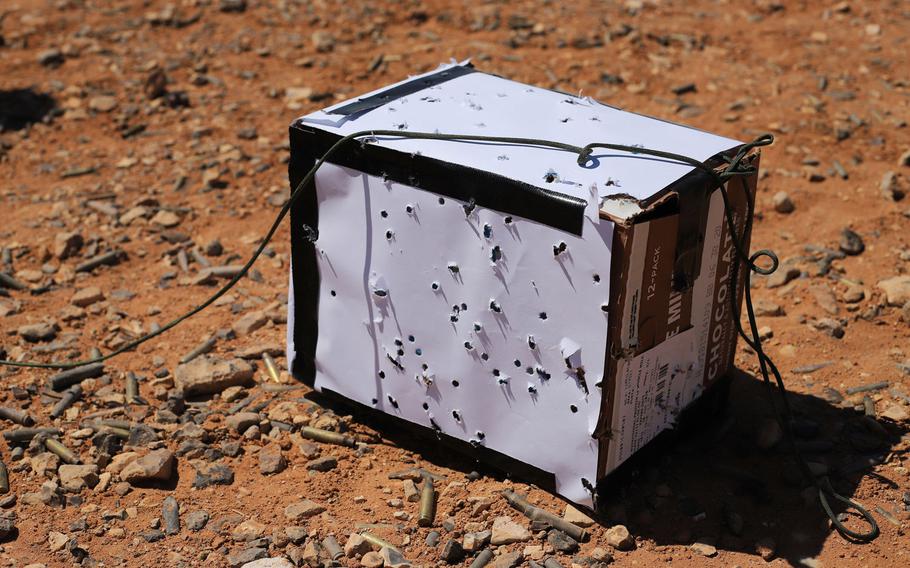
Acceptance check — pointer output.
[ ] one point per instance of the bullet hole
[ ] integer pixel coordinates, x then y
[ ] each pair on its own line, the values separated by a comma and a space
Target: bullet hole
487, 231
597, 278
398, 342
381, 374
587, 485
612, 182
411, 338
426, 406
424, 366
464, 307
468, 345
503, 380
529, 370
401, 352
564, 120
435, 425
496, 254
455, 383
532, 389
453, 268
495, 372
469, 207
484, 356
333, 293
559, 248
517, 363
573, 408
453, 318
395, 361
531, 343
375, 401
389, 234
542, 315
502, 158
480, 434
418, 351
392, 401
435, 286
508, 220
442, 201
604, 308
542, 373
381, 292
383, 213
478, 326
409, 208
456, 415
550, 176
495, 307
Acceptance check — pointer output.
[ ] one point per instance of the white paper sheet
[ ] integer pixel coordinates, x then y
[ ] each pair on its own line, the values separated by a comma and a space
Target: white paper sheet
483, 104
428, 279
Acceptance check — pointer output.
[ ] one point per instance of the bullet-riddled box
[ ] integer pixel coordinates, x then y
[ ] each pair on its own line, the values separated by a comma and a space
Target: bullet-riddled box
549, 314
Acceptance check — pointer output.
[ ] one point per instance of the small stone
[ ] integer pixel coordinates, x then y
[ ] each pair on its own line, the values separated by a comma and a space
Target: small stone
830, 326
825, 298
561, 542
241, 421
904, 160
411, 493
248, 530
245, 556
577, 517
326, 463
166, 219
323, 41
601, 555
302, 510
67, 245
704, 547
56, 541
769, 433
277, 562
153, 535
295, 534
50, 58
75, 478
896, 413
155, 466
35, 332
271, 460
851, 243
896, 289
782, 203
506, 560
392, 558
214, 474
208, 375
170, 512
7, 527
767, 308
766, 548
892, 186
102, 103
213, 248
782, 276
250, 323
355, 545
197, 520
854, 293
87, 296
232, 6
452, 552
619, 538
372, 560
507, 531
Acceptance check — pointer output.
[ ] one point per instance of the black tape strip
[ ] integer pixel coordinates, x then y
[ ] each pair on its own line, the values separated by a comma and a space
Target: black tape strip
483, 188
403, 90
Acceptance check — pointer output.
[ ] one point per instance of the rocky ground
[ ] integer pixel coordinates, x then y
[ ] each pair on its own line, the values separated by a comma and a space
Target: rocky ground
142, 156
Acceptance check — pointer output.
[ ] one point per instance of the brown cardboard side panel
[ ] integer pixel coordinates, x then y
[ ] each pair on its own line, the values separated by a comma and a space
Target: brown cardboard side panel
622, 241
722, 335
656, 282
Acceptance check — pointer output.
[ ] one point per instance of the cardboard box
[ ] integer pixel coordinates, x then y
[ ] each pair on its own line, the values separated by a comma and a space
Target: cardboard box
545, 314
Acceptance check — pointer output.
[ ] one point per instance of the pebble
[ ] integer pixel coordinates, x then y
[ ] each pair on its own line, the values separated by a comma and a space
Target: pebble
326, 463
250, 323
577, 517
196, 520
170, 512
825, 298
208, 375
507, 531
830, 326
783, 276
271, 460
277, 562
769, 434
51, 58
851, 243
301, 510
618, 537
37, 332
245, 556
782, 203
704, 547
75, 478
213, 474
452, 552
155, 466
393, 558
561, 542
896, 289
372, 559
892, 186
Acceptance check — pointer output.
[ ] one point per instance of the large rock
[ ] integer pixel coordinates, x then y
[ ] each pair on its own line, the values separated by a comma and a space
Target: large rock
75, 478
507, 531
208, 375
155, 466
896, 289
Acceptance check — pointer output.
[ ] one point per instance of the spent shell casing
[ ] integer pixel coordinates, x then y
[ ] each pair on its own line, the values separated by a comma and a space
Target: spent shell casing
332, 548
327, 437
111, 423
70, 377
4, 478
199, 259
16, 415
377, 542
427, 510
109, 258
25, 435
482, 559
271, 367
65, 454
132, 388
70, 396
182, 261
7, 281
207, 345
537, 514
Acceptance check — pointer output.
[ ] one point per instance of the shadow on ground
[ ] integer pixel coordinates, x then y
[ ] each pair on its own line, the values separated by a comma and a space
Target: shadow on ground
22, 107
710, 481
